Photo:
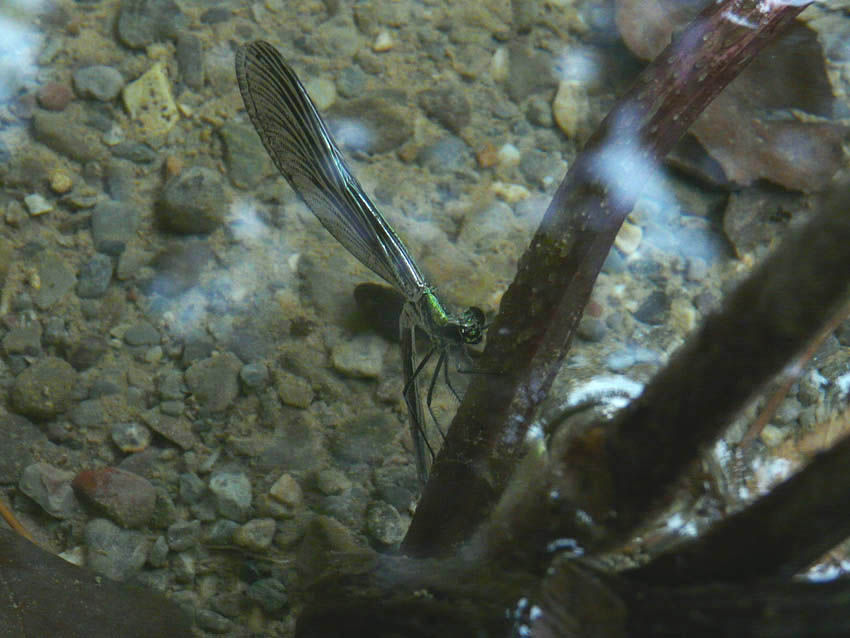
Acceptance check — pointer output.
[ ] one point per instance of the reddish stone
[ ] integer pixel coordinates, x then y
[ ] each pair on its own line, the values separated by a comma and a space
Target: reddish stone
126, 498
54, 96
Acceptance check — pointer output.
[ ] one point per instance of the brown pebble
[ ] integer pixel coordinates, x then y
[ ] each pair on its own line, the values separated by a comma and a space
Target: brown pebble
126, 498
54, 96
173, 165
487, 155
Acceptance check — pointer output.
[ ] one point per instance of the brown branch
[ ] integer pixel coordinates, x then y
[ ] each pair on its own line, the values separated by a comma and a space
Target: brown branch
541, 309
7, 515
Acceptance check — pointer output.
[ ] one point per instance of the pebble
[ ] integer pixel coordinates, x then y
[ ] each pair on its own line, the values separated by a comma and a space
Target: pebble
113, 224
37, 204
149, 102
143, 23
384, 42
54, 96
214, 381
191, 487
125, 497
95, 276
384, 524
571, 108
628, 238
50, 487
591, 329
351, 82
183, 535
212, 621
322, 91
114, 552
60, 181
269, 593
508, 156
287, 491
56, 280
528, 73
539, 112
254, 376
131, 437
447, 105
136, 152
511, 193
397, 485
63, 134
293, 390
184, 567
87, 413
190, 59
232, 492
158, 556
221, 532
446, 155
45, 389
193, 202
246, 160
142, 333
653, 309
100, 82
360, 357
23, 340
255, 535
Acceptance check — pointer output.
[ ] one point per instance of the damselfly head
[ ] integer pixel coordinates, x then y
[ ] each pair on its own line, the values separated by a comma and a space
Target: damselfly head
472, 325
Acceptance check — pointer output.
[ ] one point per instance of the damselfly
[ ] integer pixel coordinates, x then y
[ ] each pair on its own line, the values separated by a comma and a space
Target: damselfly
304, 152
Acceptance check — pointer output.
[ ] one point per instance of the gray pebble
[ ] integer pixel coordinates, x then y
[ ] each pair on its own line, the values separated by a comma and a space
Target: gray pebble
119, 177
171, 386
446, 155
447, 105
87, 413
136, 152
380, 128
221, 532
131, 437
212, 621
591, 329
528, 73
95, 276
113, 225
293, 390
246, 159
190, 59
23, 340
63, 134
192, 488
50, 487
654, 308
143, 23
362, 356
45, 389
397, 485
114, 552
183, 535
159, 552
384, 524
351, 82
255, 535
269, 593
193, 202
172, 408
215, 381
254, 376
332, 481
539, 111
141, 334
100, 82
536, 166
232, 491
57, 280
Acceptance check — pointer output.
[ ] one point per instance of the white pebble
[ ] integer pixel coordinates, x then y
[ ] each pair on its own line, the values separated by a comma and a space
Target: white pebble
571, 108
322, 91
508, 156
499, 64
511, 193
37, 204
384, 42
629, 238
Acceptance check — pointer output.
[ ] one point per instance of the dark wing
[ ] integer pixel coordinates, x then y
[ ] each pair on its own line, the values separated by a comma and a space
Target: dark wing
302, 149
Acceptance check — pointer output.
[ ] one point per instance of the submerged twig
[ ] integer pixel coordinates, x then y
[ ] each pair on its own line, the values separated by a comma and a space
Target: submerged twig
541, 310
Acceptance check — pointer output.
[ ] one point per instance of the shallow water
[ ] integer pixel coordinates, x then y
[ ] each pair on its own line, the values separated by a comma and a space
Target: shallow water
193, 320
